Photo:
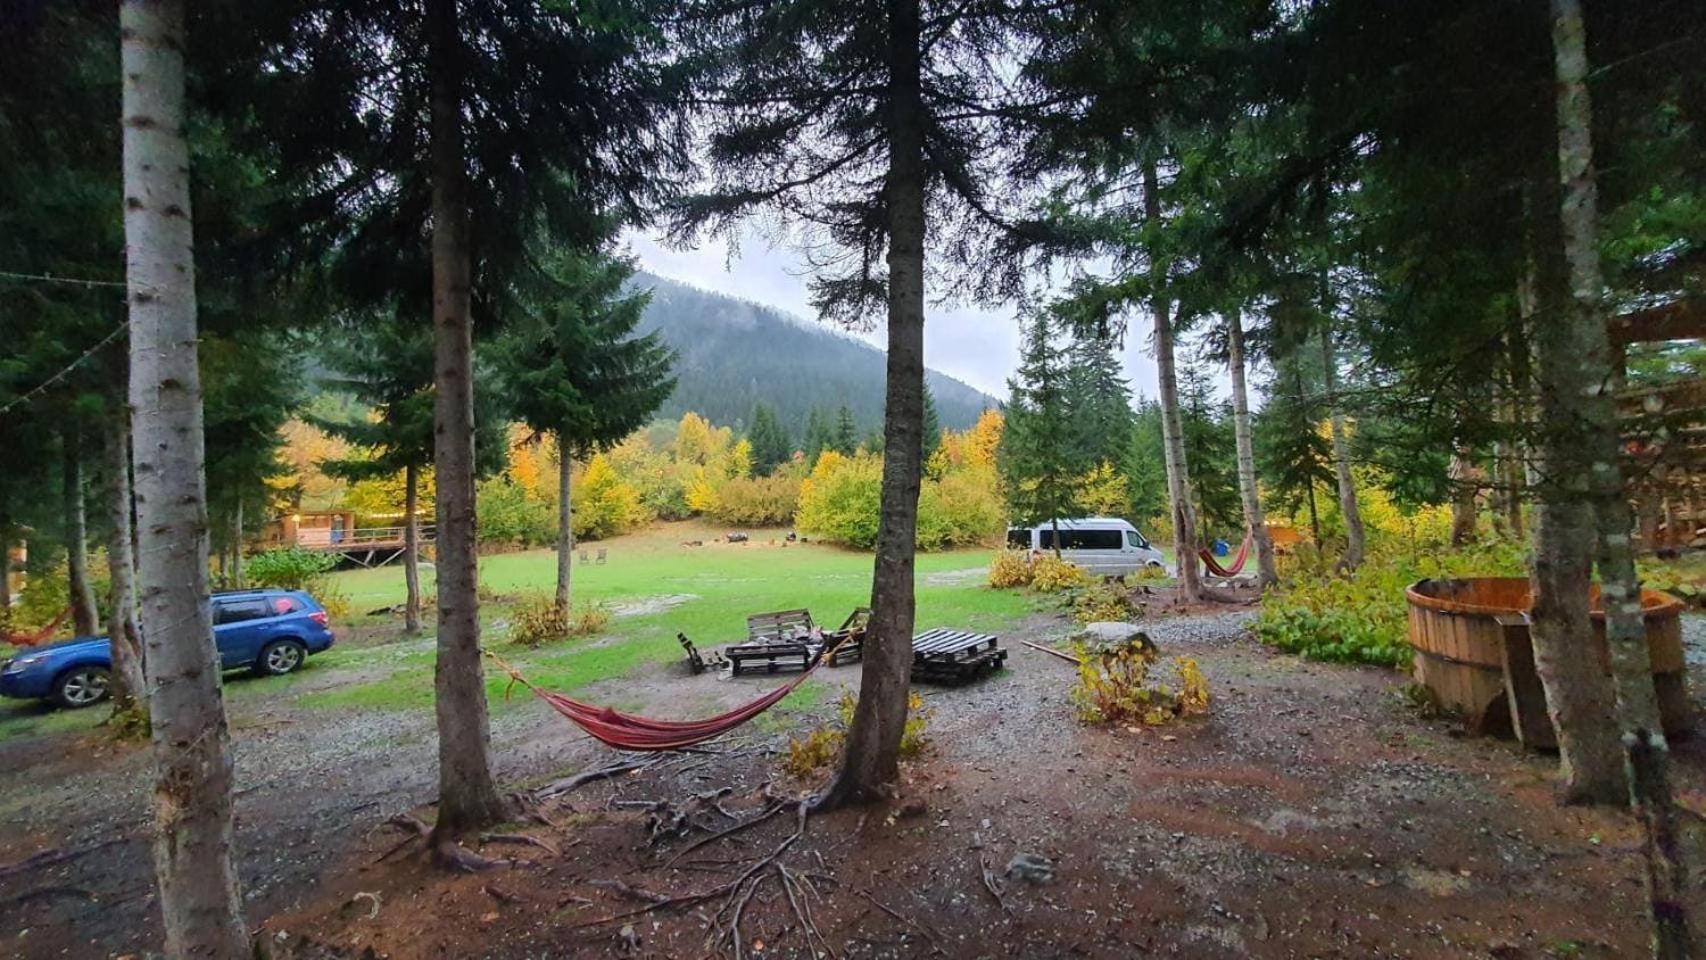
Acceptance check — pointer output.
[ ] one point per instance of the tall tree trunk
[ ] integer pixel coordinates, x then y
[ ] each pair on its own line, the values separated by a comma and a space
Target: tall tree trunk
871, 760
1172, 433
199, 900
411, 549
1348, 509
467, 795
1462, 473
5, 562
237, 543
85, 613
129, 683
1266, 571
565, 521
1583, 327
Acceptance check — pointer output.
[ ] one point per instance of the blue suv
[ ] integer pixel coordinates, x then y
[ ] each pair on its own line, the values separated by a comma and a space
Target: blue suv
268, 631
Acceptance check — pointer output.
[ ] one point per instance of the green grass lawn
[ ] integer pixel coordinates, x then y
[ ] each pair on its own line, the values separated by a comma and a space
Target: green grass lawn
724, 583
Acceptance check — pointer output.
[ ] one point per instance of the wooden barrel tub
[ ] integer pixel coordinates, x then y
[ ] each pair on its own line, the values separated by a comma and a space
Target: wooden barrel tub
1472, 651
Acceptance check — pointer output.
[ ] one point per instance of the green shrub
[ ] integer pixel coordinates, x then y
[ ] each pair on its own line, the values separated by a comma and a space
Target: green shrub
1362, 617
507, 515
1107, 600
288, 568
841, 500
1114, 687
819, 747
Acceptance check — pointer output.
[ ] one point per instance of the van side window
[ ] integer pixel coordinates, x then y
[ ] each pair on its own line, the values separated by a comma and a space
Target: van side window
1135, 539
1019, 539
1090, 539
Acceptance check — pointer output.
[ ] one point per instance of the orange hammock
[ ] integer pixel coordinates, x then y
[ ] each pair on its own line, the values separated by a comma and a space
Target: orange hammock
627, 731
39, 636
1231, 569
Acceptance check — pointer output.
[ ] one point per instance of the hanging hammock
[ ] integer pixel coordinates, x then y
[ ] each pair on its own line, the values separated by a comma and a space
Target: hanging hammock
627, 731
39, 636
1231, 569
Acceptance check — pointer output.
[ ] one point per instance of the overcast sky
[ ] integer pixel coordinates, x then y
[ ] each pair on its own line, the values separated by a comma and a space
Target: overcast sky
978, 346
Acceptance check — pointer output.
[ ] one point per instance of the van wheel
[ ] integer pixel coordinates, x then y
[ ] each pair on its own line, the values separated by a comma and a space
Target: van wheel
81, 687
280, 657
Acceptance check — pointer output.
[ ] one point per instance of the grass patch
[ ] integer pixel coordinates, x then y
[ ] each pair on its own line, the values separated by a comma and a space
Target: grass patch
726, 581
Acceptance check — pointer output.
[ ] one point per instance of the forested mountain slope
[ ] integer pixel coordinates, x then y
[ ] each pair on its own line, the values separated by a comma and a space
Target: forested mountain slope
733, 352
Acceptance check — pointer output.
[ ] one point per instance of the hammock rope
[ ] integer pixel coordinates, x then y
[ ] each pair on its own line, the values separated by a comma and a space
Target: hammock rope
1231, 569
628, 731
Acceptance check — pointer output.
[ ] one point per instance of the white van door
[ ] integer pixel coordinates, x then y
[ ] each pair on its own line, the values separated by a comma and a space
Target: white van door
1098, 550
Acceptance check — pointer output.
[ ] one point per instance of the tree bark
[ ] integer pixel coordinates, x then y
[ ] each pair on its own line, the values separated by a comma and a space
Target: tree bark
1583, 327
1266, 571
85, 612
1348, 509
565, 522
1462, 473
467, 795
1172, 432
411, 549
129, 683
5, 563
199, 899
871, 760
237, 543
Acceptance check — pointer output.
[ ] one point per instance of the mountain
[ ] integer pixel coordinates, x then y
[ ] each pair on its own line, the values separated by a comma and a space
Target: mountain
732, 353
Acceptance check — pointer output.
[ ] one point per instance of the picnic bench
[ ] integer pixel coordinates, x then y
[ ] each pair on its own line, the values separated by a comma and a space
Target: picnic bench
953, 657
783, 640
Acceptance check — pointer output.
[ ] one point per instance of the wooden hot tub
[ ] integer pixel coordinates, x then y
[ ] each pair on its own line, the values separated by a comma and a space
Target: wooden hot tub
1473, 652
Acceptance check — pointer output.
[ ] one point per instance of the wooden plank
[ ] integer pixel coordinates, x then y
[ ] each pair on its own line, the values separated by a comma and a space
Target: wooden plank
1523, 690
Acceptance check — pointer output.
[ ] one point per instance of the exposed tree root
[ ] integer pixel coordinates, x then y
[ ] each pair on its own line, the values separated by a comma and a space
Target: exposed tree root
559, 787
991, 884
925, 932
726, 832
521, 838
413, 826
630, 891
450, 855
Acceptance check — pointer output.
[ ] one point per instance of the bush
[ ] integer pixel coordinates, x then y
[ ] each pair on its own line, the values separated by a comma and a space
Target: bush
1108, 600
820, 747
963, 508
537, 620
289, 568
842, 499
1009, 568
1363, 617
605, 504
507, 515
1050, 574
756, 502
1113, 687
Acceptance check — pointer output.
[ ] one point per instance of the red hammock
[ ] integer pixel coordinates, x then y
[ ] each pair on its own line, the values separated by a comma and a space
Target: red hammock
626, 731
31, 639
1231, 569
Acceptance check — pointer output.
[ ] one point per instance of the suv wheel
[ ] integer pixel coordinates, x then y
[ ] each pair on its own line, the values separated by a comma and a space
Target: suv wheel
280, 657
81, 687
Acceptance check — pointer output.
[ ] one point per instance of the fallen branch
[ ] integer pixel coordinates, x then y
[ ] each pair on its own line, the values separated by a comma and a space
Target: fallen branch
500, 896
413, 826
1052, 652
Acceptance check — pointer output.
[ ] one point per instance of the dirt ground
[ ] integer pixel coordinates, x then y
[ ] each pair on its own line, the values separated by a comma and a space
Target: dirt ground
1312, 814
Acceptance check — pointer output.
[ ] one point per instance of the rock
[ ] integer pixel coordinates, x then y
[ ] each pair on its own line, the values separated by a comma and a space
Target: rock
1031, 867
1112, 635
915, 807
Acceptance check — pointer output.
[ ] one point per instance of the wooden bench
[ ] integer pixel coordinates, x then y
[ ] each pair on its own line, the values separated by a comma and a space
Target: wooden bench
954, 657
783, 640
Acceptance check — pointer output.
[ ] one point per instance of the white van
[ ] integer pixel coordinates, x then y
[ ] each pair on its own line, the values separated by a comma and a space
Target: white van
1103, 546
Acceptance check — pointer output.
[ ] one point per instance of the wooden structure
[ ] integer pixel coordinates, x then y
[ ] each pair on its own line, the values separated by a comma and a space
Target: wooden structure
954, 656
1664, 429
1472, 650
791, 639
335, 531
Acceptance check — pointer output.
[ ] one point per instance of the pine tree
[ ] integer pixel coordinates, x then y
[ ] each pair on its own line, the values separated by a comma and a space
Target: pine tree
817, 435
1039, 457
1144, 466
770, 445
845, 439
932, 427
573, 368
1098, 397
872, 126
199, 899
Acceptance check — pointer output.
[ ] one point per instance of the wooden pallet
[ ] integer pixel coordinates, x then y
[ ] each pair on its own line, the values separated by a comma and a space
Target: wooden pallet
781, 625
771, 656
951, 657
